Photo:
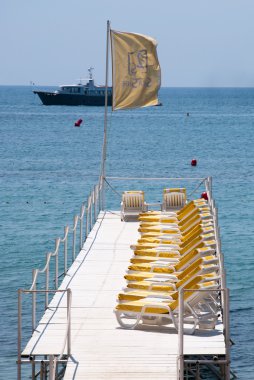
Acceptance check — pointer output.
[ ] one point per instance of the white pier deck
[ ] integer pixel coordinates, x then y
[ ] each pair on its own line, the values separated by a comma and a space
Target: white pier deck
100, 348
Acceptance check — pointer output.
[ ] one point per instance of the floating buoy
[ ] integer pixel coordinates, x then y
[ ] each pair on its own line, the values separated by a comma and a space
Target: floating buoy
193, 162
204, 195
78, 123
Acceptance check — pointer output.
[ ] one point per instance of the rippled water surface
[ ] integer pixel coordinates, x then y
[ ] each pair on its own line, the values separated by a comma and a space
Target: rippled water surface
47, 168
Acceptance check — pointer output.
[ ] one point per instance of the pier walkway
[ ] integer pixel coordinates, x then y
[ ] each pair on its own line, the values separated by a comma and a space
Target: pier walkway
100, 349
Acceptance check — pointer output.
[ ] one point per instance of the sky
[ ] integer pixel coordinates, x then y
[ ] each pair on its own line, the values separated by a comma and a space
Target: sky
201, 43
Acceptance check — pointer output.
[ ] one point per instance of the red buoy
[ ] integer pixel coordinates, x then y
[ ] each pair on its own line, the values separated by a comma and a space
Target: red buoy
204, 195
78, 123
194, 162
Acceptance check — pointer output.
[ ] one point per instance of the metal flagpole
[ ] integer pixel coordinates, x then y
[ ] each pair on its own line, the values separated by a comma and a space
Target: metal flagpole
104, 148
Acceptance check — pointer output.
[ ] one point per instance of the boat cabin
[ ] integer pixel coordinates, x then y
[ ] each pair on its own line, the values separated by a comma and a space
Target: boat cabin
88, 89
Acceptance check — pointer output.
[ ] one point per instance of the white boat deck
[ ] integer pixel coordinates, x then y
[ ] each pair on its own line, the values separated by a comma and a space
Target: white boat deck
100, 348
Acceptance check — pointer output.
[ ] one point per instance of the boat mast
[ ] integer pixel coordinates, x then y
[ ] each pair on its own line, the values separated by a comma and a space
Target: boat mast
104, 148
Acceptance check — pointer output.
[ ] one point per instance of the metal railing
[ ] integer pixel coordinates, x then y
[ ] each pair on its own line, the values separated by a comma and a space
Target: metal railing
181, 361
84, 223
205, 181
223, 291
88, 214
67, 338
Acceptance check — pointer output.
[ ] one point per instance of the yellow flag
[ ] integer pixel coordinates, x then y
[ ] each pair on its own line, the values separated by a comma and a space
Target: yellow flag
136, 70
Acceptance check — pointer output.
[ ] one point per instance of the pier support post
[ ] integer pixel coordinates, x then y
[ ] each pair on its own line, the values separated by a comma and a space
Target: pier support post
180, 335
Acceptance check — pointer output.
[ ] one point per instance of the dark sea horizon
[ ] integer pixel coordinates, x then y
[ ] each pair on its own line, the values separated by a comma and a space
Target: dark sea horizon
48, 169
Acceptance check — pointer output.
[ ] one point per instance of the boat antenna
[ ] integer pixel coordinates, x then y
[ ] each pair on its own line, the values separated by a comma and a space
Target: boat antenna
104, 148
90, 70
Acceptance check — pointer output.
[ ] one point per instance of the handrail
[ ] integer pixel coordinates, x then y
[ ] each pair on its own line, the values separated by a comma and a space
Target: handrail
67, 337
197, 187
90, 212
223, 291
158, 178
226, 331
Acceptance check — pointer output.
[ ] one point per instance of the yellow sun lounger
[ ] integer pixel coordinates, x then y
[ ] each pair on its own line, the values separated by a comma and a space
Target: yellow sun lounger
202, 252
182, 246
162, 266
175, 248
158, 312
183, 238
137, 294
200, 265
186, 225
175, 230
202, 218
160, 253
168, 241
181, 214
183, 225
160, 282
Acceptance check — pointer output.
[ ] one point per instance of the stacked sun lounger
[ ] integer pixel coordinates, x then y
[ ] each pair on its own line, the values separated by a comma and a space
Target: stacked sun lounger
176, 249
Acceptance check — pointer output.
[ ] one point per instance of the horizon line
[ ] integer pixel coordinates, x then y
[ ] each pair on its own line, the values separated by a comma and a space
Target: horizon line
55, 85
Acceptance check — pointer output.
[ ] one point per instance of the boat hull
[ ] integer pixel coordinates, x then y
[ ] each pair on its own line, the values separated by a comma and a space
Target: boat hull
55, 99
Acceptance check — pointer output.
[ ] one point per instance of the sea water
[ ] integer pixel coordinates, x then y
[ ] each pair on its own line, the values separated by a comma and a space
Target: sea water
48, 168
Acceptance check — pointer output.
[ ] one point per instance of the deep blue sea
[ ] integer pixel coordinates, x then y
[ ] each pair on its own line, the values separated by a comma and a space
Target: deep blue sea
48, 167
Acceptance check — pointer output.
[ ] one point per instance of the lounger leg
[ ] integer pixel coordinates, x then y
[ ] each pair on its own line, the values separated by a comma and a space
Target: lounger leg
187, 331
120, 316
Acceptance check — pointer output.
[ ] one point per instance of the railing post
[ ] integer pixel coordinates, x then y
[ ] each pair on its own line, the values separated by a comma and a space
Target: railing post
42, 370
99, 190
74, 239
56, 262
33, 370
66, 230
51, 367
82, 211
211, 186
34, 301
69, 322
47, 281
180, 335
227, 334
91, 211
210, 194
87, 218
19, 333
94, 204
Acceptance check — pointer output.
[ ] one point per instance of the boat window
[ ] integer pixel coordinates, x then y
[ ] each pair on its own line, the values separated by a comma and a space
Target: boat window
72, 90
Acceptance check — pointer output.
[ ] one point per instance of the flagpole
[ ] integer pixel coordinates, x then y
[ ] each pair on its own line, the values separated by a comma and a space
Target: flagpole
104, 148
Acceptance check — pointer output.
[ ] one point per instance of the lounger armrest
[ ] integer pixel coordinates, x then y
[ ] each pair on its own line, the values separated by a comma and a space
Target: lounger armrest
145, 206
